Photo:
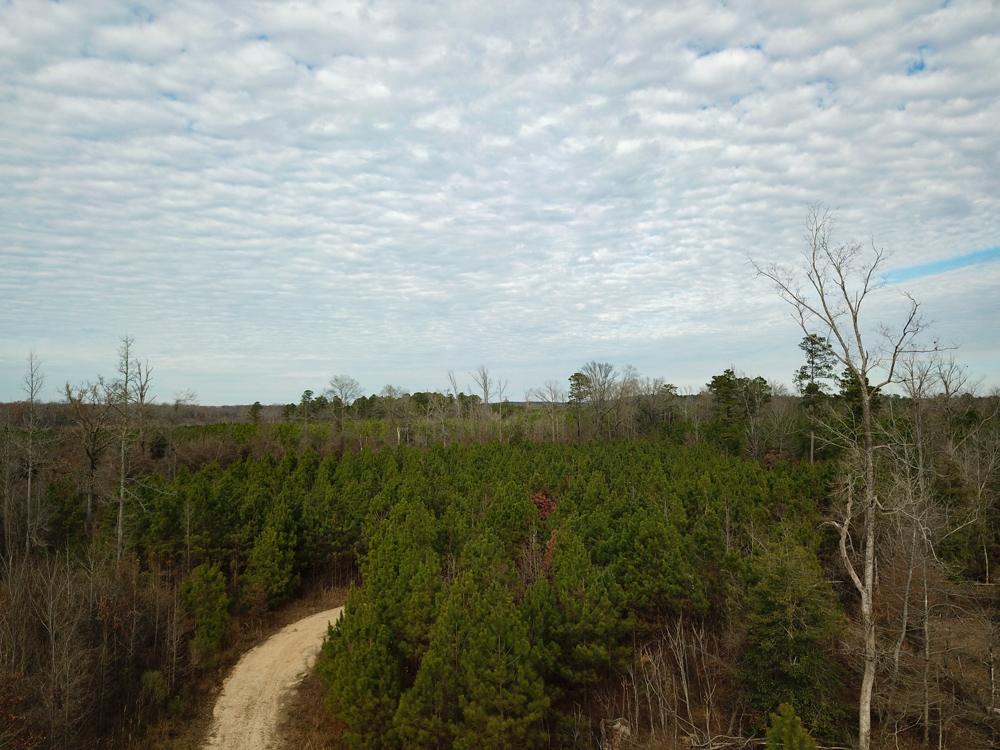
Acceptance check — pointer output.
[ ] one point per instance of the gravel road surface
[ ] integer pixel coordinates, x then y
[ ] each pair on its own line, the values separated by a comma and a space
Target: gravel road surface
247, 713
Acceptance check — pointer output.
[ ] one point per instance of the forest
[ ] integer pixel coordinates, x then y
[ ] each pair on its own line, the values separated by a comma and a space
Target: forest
615, 565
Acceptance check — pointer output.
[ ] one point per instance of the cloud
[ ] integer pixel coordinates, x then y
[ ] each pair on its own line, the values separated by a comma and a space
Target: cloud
267, 193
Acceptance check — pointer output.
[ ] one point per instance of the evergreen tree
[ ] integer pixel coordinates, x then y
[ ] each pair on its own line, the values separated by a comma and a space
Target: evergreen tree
820, 361
429, 714
206, 599
579, 392
362, 674
270, 574
503, 698
786, 731
589, 623
793, 621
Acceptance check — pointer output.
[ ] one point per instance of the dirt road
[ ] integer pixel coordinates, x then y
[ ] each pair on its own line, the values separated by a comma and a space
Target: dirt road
247, 712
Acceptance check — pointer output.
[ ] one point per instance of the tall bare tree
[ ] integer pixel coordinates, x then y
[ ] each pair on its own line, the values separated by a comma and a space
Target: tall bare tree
8, 483
90, 408
831, 290
34, 381
395, 405
346, 389
553, 398
484, 382
129, 396
501, 392
171, 420
602, 378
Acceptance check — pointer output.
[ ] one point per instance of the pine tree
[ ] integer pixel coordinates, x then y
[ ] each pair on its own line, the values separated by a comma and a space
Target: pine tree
786, 731
206, 599
793, 621
428, 715
271, 564
362, 675
503, 699
809, 379
589, 621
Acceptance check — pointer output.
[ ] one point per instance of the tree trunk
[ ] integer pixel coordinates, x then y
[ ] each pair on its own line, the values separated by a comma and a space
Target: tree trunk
868, 590
121, 500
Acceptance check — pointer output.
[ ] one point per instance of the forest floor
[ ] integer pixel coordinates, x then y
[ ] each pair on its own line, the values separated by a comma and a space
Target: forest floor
307, 724
248, 712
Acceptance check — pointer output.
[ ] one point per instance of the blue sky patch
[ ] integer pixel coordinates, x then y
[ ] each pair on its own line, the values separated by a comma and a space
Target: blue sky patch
941, 266
917, 65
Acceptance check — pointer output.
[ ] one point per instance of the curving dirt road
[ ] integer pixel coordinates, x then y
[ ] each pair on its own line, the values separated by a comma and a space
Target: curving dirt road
247, 712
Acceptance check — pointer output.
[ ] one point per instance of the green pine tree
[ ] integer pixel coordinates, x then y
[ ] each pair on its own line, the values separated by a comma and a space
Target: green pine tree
793, 621
786, 731
362, 675
503, 699
206, 599
589, 623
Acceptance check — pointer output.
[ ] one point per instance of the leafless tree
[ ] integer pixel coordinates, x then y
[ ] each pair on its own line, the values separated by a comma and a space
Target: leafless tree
8, 483
780, 418
500, 390
602, 377
34, 381
624, 409
484, 382
129, 398
65, 670
90, 408
486, 385
831, 289
172, 419
345, 388
454, 392
553, 398
396, 407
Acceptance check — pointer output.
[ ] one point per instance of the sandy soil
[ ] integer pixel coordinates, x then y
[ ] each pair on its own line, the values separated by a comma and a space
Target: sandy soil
248, 711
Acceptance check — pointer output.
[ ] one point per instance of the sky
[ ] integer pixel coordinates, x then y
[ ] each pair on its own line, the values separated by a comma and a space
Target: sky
265, 194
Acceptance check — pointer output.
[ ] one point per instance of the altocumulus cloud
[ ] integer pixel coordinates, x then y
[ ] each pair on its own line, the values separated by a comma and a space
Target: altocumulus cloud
264, 194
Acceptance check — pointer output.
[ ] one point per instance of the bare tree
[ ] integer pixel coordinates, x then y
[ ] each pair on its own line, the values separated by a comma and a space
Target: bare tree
91, 412
779, 417
8, 483
500, 390
395, 406
656, 402
346, 389
602, 378
454, 392
182, 399
32, 385
831, 289
625, 402
129, 397
553, 397
484, 381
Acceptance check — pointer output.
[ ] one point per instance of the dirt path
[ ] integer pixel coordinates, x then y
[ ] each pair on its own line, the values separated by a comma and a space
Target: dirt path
247, 712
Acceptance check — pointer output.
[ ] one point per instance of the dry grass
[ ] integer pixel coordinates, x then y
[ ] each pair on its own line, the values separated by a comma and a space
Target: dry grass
307, 725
